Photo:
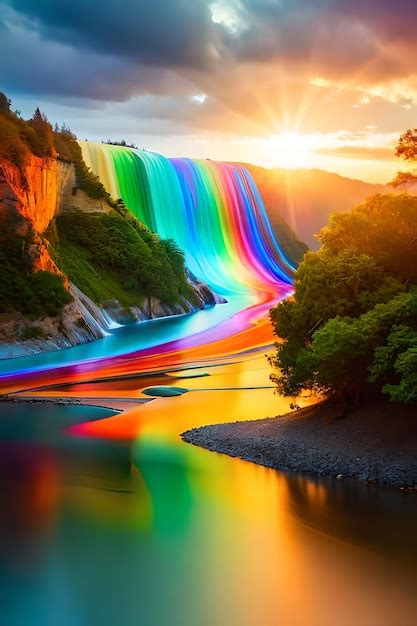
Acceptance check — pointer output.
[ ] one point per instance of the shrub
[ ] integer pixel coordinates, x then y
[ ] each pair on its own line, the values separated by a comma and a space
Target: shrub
32, 332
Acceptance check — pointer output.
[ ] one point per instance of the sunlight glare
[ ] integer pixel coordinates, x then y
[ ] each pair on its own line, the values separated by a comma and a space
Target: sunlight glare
291, 149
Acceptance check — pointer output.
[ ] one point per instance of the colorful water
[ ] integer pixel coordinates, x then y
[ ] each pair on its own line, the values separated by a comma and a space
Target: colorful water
213, 211
161, 533
109, 518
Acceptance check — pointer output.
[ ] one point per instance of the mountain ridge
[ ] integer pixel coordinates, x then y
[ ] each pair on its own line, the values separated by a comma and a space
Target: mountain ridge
305, 198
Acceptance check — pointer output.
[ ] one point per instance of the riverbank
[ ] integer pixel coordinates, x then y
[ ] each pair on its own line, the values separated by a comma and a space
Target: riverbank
375, 443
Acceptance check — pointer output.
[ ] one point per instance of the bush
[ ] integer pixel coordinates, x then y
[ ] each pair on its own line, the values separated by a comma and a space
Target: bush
32, 332
32, 294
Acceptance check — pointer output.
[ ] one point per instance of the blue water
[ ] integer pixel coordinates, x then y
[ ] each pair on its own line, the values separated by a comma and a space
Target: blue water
131, 338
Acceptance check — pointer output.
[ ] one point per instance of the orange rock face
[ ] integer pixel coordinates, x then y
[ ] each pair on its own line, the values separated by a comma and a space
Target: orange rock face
32, 198
37, 190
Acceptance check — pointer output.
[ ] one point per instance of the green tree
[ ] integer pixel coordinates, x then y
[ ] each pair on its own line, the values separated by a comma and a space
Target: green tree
12, 146
349, 297
42, 142
34, 294
406, 149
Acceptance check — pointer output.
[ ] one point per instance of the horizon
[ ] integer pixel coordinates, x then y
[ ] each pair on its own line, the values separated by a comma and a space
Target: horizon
242, 151
238, 80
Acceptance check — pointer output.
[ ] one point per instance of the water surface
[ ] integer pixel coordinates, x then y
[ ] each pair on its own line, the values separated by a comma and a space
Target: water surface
158, 532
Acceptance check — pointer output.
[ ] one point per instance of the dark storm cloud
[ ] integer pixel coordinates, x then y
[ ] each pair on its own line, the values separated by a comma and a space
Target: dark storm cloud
166, 32
335, 35
181, 34
113, 51
31, 63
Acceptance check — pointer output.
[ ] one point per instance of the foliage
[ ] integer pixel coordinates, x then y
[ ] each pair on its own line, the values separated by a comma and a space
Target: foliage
353, 317
407, 145
32, 332
384, 227
20, 138
404, 180
34, 294
406, 149
122, 143
112, 256
292, 247
5, 103
41, 141
12, 145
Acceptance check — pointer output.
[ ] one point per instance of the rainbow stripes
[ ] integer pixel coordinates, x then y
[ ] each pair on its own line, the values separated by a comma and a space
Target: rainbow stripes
216, 215
212, 210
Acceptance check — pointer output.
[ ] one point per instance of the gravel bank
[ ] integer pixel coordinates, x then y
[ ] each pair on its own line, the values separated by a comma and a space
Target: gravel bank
376, 443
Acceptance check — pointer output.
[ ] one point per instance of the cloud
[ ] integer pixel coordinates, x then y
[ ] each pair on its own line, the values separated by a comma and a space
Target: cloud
367, 153
161, 32
262, 65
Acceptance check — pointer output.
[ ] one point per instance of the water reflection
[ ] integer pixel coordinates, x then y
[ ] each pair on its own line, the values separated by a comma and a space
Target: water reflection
162, 533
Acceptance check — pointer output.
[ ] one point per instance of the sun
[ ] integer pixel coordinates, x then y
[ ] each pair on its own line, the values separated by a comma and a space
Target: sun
290, 149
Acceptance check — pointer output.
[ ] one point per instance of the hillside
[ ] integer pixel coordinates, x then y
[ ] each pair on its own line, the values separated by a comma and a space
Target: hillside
306, 198
72, 258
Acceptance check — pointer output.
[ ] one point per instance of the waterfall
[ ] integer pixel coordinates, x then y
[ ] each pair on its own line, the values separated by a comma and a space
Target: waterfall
212, 210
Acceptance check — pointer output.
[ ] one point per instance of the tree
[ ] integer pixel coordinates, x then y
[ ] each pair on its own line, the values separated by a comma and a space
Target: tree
5, 103
12, 147
383, 227
339, 330
406, 149
407, 145
43, 143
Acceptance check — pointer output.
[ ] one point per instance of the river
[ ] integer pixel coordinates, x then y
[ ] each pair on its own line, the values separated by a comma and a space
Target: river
110, 519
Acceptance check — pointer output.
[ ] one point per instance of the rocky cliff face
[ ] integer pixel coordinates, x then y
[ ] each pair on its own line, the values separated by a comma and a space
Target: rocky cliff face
82, 320
153, 308
37, 192
30, 199
73, 326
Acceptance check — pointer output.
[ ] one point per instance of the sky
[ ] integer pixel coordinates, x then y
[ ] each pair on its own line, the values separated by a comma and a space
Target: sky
324, 84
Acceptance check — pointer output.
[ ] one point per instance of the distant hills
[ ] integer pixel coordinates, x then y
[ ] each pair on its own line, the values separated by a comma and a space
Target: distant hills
306, 198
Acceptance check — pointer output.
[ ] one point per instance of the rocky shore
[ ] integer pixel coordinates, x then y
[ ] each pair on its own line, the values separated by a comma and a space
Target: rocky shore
376, 443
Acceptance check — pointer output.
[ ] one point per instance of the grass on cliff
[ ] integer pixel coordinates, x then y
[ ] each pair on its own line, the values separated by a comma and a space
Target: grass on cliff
34, 294
113, 255
96, 282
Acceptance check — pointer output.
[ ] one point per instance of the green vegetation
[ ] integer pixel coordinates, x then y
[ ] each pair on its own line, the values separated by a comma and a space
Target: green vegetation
122, 142
353, 319
108, 256
20, 138
292, 247
34, 294
113, 255
32, 332
406, 150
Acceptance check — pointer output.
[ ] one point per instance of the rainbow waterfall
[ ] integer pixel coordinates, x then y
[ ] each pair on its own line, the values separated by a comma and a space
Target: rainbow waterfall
213, 211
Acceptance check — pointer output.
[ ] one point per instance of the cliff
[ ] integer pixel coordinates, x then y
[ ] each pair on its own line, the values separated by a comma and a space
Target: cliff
31, 198
36, 191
